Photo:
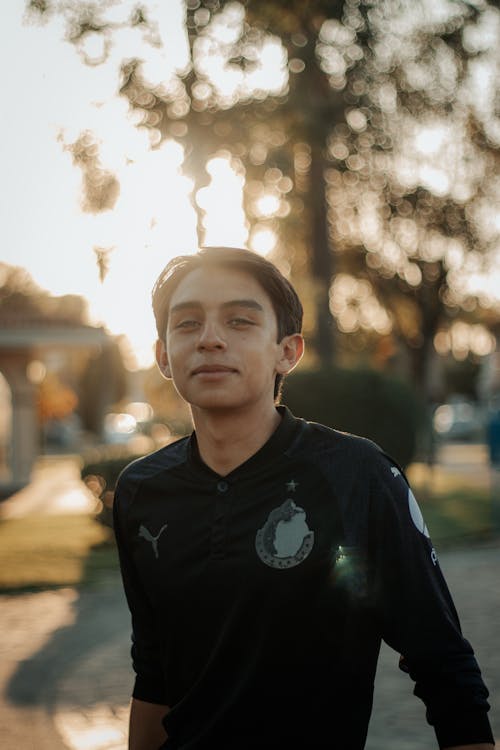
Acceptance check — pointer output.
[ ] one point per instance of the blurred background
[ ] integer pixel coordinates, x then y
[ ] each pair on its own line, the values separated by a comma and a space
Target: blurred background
355, 144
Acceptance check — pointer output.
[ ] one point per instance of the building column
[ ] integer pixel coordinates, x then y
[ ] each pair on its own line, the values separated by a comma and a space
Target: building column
25, 437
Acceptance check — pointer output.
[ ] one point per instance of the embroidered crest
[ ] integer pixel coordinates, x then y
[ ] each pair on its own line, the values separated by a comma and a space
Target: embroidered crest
285, 540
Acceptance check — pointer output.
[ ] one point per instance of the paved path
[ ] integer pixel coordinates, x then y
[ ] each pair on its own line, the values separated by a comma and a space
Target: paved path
65, 675
473, 577
55, 487
27, 624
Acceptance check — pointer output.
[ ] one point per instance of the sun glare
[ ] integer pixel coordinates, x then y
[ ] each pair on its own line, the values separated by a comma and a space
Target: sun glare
267, 205
222, 201
430, 139
263, 240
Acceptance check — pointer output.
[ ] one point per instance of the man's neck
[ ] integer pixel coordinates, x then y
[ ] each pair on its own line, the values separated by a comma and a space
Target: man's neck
228, 439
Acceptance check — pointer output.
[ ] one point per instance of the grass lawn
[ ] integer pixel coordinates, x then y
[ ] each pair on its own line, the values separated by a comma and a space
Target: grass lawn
455, 509
54, 550
462, 516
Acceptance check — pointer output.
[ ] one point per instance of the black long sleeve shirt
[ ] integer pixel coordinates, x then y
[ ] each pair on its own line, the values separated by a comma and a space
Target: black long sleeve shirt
259, 599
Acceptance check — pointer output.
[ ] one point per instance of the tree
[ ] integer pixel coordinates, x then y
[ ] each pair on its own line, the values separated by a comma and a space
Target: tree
21, 298
353, 140
102, 384
56, 400
413, 213
88, 381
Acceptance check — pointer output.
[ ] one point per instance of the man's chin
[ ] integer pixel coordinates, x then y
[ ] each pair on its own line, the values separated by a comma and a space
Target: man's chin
217, 402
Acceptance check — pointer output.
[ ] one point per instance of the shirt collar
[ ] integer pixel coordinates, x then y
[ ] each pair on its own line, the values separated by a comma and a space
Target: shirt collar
278, 442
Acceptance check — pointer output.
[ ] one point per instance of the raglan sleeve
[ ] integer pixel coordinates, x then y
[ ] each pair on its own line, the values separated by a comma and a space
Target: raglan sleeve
149, 683
416, 613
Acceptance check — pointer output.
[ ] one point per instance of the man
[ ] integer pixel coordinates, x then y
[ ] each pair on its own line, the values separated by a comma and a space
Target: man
264, 557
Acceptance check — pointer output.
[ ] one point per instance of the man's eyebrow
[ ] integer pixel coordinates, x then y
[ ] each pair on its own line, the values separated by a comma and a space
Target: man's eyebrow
193, 304
251, 303
189, 305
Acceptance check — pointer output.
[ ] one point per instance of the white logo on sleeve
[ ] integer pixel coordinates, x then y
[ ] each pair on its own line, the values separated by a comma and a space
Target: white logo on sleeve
285, 540
416, 514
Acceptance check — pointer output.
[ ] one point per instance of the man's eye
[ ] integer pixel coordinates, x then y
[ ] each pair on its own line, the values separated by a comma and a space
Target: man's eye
186, 324
240, 322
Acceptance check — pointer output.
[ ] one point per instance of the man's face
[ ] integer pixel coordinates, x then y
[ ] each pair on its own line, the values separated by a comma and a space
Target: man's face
221, 348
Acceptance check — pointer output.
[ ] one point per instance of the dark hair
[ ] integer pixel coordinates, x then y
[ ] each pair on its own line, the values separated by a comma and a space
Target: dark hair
284, 298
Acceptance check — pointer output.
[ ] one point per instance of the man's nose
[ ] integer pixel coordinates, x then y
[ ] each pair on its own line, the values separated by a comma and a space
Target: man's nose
210, 336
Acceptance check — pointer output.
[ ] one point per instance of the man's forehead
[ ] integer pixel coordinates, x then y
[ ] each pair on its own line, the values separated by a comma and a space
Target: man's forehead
222, 287
249, 304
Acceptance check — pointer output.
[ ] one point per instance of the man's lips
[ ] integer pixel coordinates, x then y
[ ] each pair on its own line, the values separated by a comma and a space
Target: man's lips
210, 369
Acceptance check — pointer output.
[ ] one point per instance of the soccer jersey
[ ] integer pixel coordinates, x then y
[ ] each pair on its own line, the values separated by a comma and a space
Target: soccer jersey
259, 599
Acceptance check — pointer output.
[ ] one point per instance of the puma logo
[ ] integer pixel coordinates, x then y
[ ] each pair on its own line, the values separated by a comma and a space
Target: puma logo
147, 535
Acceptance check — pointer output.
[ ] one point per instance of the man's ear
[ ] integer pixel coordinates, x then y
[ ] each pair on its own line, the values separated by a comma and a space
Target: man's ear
162, 359
292, 349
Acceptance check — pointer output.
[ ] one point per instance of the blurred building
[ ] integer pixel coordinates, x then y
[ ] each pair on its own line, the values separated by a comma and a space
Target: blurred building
26, 344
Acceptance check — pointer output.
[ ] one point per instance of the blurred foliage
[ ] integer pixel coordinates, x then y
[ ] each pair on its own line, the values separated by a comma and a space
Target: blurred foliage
169, 408
90, 379
101, 475
461, 377
368, 134
56, 400
105, 472
100, 187
102, 384
21, 299
364, 402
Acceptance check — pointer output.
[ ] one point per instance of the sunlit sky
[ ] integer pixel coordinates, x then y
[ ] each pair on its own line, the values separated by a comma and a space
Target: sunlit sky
50, 98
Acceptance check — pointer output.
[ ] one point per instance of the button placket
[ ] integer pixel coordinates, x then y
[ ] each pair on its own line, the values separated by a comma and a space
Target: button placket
218, 537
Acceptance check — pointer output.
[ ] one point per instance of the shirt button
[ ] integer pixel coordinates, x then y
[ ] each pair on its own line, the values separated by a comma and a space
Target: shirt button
222, 486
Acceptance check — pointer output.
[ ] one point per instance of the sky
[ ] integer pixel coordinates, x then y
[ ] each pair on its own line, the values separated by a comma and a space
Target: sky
50, 97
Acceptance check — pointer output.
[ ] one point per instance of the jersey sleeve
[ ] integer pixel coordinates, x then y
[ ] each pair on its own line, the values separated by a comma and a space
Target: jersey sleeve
416, 613
146, 648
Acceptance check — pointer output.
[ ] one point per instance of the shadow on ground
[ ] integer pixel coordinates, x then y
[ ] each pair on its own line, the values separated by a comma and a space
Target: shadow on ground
100, 617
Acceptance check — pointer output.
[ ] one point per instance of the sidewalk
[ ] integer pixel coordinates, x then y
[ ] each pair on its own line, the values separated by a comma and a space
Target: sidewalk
65, 674
55, 487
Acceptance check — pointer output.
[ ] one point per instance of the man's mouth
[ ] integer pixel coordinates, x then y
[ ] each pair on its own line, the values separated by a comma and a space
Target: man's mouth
212, 369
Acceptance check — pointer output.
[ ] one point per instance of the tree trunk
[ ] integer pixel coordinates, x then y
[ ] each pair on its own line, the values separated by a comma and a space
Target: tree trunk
423, 376
321, 258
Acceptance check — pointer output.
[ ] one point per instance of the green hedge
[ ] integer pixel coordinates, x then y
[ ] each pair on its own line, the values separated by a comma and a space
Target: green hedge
364, 402
108, 469
361, 401
100, 476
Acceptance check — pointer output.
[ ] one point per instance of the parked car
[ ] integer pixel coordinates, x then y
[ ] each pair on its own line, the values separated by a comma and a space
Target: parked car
459, 419
119, 428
